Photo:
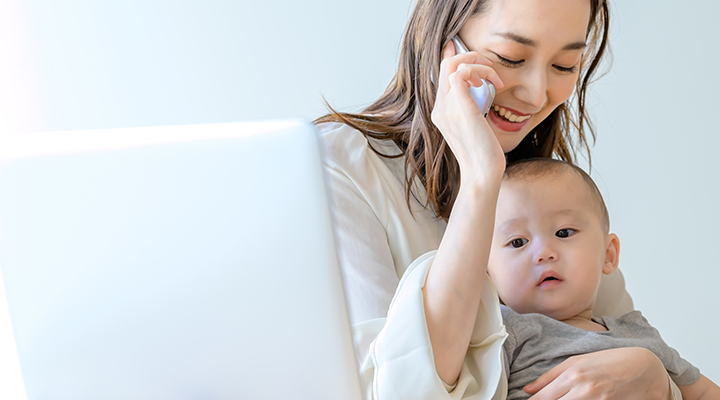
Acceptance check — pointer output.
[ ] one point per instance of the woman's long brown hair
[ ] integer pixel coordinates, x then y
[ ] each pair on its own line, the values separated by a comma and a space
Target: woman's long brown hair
402, 113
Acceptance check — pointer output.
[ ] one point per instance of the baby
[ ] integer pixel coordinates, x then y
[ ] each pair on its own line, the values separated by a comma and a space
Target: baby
551, 246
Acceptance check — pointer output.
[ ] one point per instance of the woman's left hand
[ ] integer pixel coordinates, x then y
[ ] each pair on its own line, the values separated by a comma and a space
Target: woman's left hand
625, 373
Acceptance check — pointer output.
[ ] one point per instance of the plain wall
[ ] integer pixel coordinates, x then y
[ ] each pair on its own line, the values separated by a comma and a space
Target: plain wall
79, 64
656, 163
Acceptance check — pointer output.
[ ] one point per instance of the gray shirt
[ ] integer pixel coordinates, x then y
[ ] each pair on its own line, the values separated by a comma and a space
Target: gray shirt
536, 343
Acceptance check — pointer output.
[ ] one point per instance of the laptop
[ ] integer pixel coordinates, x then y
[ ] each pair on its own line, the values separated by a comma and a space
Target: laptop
180, 262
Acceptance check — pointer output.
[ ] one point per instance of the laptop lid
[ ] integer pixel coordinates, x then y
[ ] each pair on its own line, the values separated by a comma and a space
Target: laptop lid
187, 262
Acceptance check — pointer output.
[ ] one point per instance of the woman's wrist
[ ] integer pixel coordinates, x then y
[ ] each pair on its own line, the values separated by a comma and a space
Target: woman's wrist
481, 184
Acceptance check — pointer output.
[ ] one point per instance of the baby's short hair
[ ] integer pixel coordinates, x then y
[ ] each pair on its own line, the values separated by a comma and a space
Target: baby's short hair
539, 167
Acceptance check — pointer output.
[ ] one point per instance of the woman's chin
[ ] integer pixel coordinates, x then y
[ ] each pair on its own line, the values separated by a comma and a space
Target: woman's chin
509, 140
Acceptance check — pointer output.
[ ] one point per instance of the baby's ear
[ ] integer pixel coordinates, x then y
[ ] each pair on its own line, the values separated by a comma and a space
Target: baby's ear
612, 254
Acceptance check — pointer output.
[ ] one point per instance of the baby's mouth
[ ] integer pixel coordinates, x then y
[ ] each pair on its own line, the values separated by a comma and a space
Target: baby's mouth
509, 115
549, 276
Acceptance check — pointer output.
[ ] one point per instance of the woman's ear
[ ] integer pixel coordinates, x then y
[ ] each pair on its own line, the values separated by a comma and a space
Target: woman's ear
612, 254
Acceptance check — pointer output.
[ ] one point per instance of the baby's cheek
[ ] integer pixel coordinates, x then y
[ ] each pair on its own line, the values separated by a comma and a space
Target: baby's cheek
504, 293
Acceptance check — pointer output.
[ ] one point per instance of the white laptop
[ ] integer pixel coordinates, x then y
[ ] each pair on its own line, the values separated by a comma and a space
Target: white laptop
187, 262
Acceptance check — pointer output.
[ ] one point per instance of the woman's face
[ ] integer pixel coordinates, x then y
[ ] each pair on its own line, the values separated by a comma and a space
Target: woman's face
535, 47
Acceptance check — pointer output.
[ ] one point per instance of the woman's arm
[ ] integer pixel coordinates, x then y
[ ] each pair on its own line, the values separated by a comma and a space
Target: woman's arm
702, 389
454, 284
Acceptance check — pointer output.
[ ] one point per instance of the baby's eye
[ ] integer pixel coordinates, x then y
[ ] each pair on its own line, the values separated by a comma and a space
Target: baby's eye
563, 233
517, 243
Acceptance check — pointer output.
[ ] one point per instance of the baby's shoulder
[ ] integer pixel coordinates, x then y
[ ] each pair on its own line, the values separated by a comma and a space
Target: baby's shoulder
632, 324
634, 317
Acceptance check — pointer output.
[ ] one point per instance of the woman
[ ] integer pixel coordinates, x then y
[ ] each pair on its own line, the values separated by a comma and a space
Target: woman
416, 171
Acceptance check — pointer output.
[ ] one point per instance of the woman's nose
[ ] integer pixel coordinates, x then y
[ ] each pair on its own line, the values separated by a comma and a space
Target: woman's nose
533, 88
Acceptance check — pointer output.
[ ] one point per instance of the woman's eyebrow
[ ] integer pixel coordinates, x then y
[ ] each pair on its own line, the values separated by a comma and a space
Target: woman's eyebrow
579, 45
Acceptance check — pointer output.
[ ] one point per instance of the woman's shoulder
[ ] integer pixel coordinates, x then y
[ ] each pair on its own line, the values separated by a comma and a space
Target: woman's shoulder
346, 149
338, 139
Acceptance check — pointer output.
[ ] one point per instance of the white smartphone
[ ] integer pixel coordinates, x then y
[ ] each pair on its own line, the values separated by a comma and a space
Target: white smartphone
483, 95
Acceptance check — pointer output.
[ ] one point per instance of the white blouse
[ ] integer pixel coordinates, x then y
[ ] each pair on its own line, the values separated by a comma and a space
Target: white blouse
385, 251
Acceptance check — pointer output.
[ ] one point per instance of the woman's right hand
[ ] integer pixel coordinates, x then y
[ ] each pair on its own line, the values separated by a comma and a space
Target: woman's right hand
460, 120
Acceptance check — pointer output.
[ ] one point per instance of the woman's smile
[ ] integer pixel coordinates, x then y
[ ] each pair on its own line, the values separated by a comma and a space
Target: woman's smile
507, 119
509, 115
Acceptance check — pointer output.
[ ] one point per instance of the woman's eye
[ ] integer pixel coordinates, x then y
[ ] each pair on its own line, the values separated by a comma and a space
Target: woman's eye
517, 243
563, 233
567, 70
507, 62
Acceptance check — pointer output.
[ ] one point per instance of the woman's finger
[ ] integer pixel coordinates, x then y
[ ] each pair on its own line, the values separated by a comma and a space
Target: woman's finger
550, 385
448, 52
554, 390
450, 64
474, 74
549, 376
451, 61
623, 373
459, 92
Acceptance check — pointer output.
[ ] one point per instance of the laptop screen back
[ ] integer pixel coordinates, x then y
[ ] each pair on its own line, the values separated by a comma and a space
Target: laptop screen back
192, 262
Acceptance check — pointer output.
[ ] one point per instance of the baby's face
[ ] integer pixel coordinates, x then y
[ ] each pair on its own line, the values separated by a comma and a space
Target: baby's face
549, 246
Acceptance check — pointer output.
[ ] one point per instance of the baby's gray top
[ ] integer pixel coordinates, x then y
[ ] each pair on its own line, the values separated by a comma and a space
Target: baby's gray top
537, 343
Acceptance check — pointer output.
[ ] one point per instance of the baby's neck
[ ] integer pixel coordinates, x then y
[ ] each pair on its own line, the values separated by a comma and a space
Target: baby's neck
584, 321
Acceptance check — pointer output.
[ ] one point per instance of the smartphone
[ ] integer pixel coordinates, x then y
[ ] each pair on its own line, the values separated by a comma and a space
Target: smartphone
483, 95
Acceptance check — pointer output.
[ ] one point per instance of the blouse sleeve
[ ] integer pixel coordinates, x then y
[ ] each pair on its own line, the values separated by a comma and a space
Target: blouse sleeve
400, 363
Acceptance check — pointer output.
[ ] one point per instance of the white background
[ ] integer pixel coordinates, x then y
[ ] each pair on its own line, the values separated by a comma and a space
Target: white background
79, 64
